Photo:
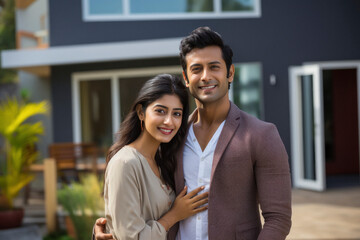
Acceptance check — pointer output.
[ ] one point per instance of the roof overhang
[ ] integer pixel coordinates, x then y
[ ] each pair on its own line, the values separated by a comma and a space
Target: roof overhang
38, 61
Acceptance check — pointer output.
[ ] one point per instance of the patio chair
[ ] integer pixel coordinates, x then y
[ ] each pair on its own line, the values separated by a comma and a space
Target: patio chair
73, 158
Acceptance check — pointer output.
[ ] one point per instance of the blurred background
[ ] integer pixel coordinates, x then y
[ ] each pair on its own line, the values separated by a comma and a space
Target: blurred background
71, 69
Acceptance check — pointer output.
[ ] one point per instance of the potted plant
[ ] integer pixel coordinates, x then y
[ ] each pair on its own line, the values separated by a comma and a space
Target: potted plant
83, 202
17, 153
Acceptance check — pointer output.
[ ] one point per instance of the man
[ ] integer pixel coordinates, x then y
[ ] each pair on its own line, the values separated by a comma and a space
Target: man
241, 160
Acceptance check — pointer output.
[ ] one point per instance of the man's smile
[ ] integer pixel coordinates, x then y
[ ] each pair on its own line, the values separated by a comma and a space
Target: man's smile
207, 87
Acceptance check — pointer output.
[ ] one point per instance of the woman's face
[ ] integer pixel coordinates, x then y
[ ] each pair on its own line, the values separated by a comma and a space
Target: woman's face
163, 118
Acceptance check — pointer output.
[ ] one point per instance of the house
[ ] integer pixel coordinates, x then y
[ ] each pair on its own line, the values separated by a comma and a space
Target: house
297, 65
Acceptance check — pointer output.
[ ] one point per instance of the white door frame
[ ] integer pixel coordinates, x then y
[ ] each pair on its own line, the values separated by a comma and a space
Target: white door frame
315, 69
297, 128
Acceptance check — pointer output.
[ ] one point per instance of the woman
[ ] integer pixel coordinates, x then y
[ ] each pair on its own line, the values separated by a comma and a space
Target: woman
139, 183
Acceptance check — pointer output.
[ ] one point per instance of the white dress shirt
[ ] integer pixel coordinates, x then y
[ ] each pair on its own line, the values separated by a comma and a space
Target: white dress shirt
197, 172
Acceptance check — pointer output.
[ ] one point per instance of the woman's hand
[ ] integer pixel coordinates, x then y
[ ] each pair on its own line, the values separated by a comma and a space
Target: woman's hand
99, 230
185, 205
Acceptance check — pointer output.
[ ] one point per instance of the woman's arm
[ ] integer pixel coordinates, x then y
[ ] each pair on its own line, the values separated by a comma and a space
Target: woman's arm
124, 205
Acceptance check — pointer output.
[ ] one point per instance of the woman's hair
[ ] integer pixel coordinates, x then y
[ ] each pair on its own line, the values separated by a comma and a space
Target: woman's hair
130, 128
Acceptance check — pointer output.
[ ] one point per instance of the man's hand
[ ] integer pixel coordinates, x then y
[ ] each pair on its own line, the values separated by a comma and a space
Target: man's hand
99, 230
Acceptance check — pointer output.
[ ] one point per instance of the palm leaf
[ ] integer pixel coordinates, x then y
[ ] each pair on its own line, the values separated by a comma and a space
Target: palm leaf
25, 112
13, 184
20, 139
8, 111
26, 134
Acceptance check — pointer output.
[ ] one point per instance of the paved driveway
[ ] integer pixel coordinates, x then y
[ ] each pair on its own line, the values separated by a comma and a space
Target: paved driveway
333, 214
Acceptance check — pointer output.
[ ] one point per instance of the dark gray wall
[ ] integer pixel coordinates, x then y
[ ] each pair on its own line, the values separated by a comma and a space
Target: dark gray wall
288, 33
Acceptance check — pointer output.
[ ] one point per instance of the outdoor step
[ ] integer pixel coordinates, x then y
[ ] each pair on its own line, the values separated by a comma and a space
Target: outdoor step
32, 232
34, 220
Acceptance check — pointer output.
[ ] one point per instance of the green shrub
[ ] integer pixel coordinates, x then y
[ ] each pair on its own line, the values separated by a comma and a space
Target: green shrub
84, 203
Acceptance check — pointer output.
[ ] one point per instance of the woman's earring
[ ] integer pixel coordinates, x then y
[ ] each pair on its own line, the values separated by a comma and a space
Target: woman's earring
142, 125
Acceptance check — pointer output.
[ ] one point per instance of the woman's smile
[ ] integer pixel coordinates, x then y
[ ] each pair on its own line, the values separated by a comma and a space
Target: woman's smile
166, 131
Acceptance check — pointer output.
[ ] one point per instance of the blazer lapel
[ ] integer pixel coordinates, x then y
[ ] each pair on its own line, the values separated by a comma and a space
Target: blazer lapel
229, 129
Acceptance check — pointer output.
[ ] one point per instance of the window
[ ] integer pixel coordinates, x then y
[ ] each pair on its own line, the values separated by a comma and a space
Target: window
102, 99
100, 10
95, 111
128, 89
98, 7
170, 6
247, 89
237, 5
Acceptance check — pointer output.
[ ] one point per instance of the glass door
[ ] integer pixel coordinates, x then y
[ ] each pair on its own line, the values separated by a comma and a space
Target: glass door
307, 130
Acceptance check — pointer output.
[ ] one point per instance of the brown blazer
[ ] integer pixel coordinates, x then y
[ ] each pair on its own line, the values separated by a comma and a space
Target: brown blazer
250, 167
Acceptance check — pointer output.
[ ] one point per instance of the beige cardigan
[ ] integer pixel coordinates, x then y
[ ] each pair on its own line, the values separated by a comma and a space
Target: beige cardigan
134, 197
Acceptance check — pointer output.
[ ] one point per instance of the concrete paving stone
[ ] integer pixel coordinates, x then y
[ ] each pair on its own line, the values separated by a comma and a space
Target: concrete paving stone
330, 215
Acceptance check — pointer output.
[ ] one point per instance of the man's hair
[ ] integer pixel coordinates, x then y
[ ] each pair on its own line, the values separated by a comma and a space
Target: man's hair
203, 37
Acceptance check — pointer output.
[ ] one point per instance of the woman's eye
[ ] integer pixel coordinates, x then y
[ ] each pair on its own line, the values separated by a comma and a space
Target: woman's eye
178, 114
160, 110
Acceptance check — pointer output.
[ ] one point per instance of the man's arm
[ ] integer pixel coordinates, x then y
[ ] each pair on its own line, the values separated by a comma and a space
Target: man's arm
99, 230
274, 184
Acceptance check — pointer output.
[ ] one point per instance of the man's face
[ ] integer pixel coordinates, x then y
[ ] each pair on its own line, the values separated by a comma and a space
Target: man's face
206, 74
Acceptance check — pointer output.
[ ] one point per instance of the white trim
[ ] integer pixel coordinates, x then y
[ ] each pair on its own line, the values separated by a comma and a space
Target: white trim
85, 8
217, 8
217, 13
88, 53
76, 109
174, 16
335, 64
347, 64
295, 119
126, 7
115, 103
129, 72
297, 125
358, 98
114, 76
319, 129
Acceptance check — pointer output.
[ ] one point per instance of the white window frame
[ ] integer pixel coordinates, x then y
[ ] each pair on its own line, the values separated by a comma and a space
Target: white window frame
114, 76
126, 16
